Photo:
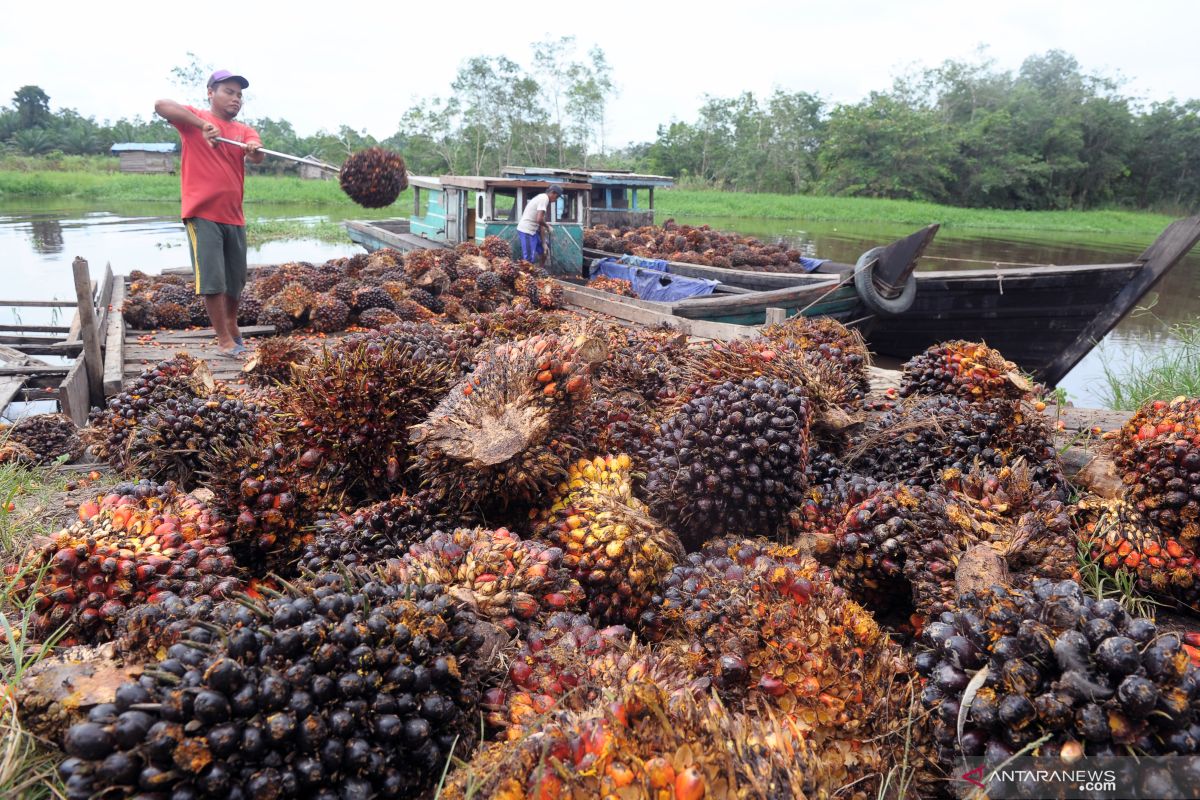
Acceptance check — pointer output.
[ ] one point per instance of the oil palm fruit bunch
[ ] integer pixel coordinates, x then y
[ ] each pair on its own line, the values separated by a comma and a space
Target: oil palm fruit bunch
126, 548
367, 297
49, 436
419, 262
372, 533
1056, 663
427, 341
374, 177
296, 300
495, 247
273, 361
270, 496
545, 293
498, 438
16, 453
1123, 539
328, 314
615, 286
198, 312
832, 491
109, 429
508, 325
918, 441
273, 314
568, 663
139, 313
366, 688
355, 403
377, 318
508, 581
963, 369
173, 293
1157, 453
647, 361
172, 316
248, 310
616, 551
824, 335
344, 290
731, 460
642, 745
170, 442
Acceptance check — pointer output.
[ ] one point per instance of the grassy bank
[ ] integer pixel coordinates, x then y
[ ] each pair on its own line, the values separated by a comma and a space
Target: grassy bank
261, 190
1159, 373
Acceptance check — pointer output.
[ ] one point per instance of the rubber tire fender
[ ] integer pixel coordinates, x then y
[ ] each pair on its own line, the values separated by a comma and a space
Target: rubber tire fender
864, 284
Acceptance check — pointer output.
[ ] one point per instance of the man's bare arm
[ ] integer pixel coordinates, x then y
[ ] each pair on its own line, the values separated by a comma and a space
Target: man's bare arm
179, 114
253, 154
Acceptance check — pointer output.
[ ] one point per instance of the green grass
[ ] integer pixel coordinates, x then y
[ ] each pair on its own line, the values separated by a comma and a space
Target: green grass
94, 184
274, 230
1159, 372
702, 203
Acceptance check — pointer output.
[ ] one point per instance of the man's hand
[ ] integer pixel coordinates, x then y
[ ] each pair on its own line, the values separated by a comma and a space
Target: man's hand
253, 147
211, 132
254, 152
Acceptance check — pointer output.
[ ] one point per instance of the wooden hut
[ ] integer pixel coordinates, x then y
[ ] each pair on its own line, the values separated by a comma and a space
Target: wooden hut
313, 172
617, 197
146, 156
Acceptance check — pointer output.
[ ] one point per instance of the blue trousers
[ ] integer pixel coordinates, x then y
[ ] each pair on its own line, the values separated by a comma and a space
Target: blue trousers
531, 246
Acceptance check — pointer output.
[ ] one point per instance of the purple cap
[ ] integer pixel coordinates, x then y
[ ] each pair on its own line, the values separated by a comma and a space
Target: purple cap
226, 75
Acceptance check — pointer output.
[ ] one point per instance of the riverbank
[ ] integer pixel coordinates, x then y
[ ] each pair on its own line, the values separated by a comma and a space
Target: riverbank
263, 190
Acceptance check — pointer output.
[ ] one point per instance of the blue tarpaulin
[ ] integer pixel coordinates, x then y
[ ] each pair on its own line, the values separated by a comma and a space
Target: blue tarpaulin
653, 284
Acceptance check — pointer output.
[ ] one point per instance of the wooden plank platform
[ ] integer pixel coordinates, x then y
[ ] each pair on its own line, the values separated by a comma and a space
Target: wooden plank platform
141, 349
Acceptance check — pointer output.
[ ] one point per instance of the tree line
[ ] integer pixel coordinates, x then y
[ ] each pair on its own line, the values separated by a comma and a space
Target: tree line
1046, 136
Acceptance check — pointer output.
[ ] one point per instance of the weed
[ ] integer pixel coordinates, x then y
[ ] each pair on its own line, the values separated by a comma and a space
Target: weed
1121, 585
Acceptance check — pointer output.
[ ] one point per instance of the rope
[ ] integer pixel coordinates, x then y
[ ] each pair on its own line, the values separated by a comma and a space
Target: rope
996, 264
835, 287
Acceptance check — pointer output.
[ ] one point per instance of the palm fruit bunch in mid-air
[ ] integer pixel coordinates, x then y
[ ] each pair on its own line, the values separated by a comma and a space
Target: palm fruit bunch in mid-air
374, 177
170, 442
499, 437
370, 534
1054, 665
963, 369
127, 547
109, 429
1157, 454
917, 442
643, 744
509, 581
730, 461
50, 437
613, 547
354, 404
327, 690
1123, 539
273, 360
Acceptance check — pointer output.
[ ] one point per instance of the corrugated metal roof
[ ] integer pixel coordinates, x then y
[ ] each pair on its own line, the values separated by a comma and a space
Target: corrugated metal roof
148, 147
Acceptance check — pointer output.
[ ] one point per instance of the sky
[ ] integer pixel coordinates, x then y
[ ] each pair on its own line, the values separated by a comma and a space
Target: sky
362, 64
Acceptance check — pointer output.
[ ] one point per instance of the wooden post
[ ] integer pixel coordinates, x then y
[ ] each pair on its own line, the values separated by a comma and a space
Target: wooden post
776, 316
93, 362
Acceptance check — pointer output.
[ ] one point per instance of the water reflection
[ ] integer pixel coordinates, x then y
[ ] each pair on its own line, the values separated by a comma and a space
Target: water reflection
46, 235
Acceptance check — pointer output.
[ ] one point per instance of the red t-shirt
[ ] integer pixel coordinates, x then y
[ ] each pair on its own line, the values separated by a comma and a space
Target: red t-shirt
212, 178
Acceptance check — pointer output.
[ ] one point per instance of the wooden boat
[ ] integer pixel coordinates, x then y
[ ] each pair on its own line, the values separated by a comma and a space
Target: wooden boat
616, 198
1045, 319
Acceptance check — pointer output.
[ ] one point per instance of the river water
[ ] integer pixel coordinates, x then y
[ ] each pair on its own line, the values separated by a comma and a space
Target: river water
39, 240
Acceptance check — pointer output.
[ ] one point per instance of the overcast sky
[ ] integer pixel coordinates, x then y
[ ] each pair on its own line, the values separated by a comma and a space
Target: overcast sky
361, 64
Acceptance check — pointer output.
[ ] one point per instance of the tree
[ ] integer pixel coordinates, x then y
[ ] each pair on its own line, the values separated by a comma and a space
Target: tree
33, 141
192, 79
33, 106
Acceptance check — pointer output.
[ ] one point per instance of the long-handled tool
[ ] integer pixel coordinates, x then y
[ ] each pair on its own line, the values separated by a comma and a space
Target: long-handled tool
309, 160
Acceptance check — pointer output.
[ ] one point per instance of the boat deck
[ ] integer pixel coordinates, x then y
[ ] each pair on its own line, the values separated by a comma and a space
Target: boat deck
144, 349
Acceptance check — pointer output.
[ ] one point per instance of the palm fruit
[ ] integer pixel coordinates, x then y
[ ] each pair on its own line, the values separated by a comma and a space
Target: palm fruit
495, 247
546, 293
169, 443
273, 314
568, 664
731, 460
15, 453
643, 745
173, 293
172, 315
109, 429
296, 299
1123, 539
126, 547
364, 688
355, 404
424, 298
344, 290
1157, 453
49, 436
370, 534
1059, 667
497, 438
827, 337
198, 312
509, 324
612, 285
248, 310
374, 177
509, 581
963, 369
376, 318
273, 360
328, 314
419, 262
382, 260
832, 491
139, 313
647, 361
616, 551
917, 442
368, 297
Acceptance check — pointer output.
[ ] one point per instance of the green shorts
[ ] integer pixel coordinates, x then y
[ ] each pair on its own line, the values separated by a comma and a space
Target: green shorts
218, 256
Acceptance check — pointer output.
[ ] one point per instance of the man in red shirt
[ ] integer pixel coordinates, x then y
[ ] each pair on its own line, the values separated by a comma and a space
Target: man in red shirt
212, 177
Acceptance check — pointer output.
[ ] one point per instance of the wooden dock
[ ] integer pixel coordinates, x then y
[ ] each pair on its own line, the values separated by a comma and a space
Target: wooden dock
144, 349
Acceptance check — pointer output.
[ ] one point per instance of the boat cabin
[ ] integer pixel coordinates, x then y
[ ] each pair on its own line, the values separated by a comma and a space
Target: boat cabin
617, 197
469, 208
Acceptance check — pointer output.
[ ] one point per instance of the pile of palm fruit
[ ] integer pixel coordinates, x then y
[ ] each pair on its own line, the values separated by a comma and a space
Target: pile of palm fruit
366, 291
694, 245
534, 555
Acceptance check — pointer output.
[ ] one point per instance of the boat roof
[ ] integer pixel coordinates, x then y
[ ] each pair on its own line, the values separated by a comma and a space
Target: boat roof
483, 182
594, 176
